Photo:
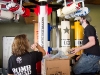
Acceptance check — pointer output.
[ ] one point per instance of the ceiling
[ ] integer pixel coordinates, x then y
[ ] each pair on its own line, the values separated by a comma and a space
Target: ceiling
86, 1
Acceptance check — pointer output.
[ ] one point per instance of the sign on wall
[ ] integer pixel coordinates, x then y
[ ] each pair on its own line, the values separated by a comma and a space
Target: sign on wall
7, 50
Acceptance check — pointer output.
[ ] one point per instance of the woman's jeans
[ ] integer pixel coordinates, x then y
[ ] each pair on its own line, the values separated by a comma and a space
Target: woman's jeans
87, 64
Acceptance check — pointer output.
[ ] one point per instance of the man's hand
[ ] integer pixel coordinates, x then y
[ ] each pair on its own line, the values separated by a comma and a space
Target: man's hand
77, 58
75, 50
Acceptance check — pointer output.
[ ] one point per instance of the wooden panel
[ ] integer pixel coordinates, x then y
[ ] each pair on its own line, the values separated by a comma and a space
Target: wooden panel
28, 3
33, 18
92, 2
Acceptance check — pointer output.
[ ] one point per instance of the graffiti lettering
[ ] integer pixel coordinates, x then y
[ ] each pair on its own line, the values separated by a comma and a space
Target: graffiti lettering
42, 33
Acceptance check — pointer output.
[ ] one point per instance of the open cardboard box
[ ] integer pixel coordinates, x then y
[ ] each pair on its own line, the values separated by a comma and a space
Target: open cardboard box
56, 66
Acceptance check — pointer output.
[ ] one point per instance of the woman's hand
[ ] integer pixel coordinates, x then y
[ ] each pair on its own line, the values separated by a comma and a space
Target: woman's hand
33, 46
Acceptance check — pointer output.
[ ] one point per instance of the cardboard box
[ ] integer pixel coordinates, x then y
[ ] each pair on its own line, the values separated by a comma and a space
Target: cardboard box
33, 18
55, 67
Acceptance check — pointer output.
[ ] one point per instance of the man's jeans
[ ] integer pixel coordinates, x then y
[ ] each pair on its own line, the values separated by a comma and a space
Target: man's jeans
87, 64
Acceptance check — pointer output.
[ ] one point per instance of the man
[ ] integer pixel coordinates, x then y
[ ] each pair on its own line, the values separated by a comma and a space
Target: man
89, 60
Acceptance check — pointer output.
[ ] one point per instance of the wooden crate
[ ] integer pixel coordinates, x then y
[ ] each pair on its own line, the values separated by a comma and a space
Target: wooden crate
33, 18
96, 2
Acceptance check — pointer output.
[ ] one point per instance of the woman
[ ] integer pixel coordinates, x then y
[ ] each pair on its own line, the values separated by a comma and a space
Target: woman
23, 62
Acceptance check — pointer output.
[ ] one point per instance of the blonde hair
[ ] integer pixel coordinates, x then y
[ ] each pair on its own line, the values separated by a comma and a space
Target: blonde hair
20, 45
